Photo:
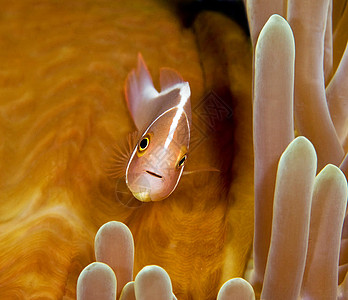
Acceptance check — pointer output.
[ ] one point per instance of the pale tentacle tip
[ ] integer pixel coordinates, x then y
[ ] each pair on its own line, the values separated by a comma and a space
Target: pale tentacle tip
153, 282
302, 147
332, 172
114, 228
96, 281
236, 289
128, 292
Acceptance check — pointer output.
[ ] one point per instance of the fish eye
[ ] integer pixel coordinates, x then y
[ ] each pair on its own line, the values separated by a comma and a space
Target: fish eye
144, 143
182, 161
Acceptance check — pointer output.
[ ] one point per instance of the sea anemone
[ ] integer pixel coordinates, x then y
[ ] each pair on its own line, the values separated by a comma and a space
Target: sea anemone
63, 65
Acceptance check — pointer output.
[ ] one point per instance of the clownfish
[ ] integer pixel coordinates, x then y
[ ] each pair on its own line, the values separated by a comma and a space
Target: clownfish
163, 121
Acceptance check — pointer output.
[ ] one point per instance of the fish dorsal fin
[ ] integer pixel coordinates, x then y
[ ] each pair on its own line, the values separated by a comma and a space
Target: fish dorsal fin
139, 91
169, 78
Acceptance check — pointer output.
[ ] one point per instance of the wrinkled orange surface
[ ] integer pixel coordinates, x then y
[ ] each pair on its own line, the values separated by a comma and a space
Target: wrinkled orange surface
62, 111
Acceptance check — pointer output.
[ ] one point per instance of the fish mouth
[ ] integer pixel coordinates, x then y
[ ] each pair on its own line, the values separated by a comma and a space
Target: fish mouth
154, 174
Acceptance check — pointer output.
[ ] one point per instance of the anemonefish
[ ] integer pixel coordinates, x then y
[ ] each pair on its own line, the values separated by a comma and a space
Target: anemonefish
163, 120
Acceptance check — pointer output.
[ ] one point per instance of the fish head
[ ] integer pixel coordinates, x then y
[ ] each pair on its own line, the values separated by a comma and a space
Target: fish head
158, 160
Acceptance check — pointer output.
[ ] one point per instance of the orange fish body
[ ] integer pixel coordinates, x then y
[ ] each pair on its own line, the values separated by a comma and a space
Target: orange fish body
164, 119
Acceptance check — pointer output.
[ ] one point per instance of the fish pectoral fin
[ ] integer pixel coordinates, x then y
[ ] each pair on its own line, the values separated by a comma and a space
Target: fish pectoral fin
204, 169
169, 78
